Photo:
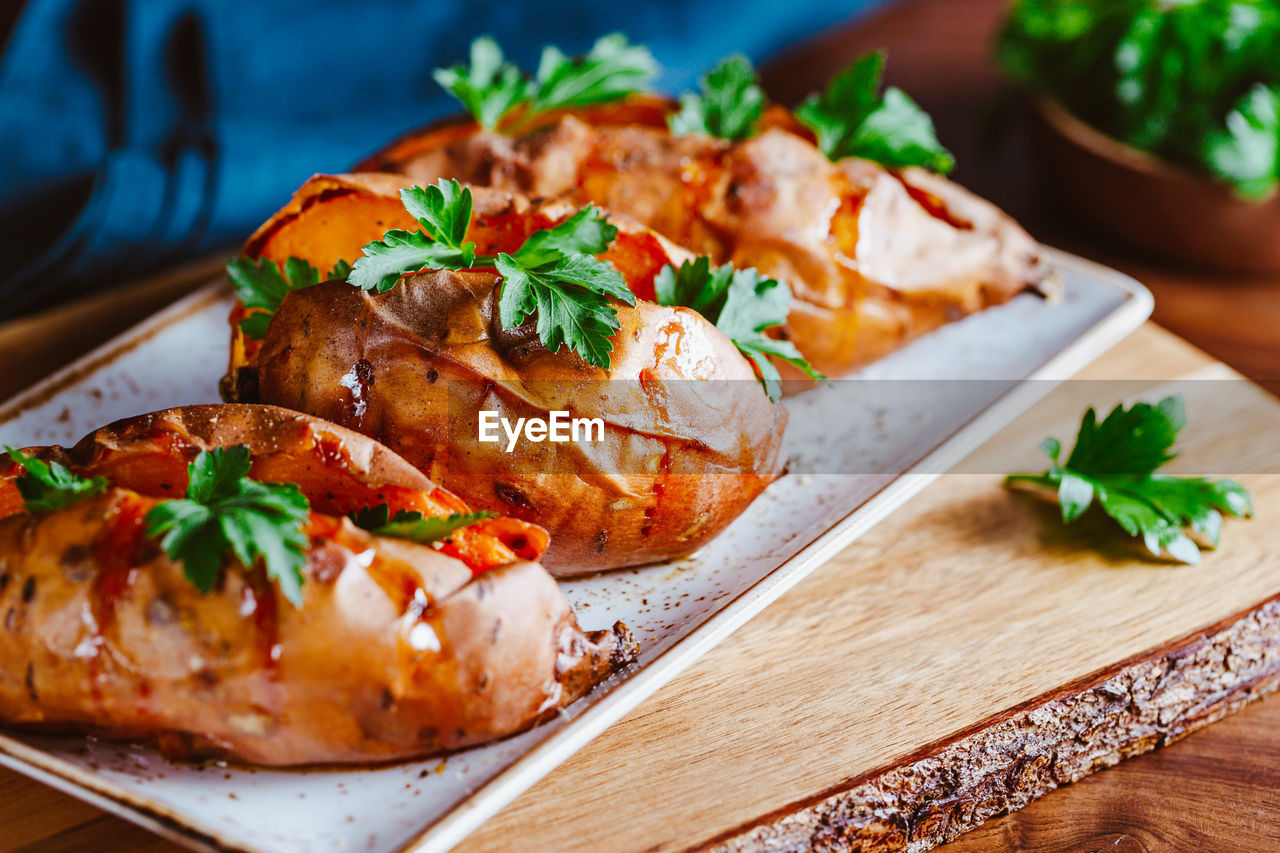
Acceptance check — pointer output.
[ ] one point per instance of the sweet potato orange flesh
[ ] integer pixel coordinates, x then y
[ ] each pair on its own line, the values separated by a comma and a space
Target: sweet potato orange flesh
331, 226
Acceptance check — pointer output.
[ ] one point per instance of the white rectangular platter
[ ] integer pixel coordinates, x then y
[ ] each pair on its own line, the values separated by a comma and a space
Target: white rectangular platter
677, 611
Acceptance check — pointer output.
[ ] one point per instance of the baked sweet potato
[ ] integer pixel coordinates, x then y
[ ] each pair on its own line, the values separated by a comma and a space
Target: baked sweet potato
332, 217
874, 257
396, 650
339, 470
326, 222
687, 437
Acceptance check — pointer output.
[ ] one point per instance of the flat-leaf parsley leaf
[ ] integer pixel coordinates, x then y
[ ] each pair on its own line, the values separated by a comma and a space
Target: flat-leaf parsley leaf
611, 70
263, 285
554, 273
729, 105
490, 88
444, 212
226, 512
48, 486
850, 119
1247, 152
414, 526
742, 304
1114, 462
493, 89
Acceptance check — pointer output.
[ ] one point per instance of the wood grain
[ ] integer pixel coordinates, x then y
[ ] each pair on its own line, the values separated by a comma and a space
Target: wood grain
31, 347
1217, 790
1003, 763
939, 51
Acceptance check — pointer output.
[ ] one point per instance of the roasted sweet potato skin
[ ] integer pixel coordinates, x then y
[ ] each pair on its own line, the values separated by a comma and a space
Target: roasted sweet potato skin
332, 217
875, 258
328, 220
398, 649
339, 469
689, 438
395, 652
413, 367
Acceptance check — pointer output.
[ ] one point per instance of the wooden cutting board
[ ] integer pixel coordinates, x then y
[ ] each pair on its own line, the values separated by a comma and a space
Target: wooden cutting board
964, 657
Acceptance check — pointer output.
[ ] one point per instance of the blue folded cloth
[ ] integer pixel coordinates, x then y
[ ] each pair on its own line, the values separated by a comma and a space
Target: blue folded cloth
138, 133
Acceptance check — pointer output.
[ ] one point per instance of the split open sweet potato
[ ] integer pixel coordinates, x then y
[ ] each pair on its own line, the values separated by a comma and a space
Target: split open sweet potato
397, 649
687, 438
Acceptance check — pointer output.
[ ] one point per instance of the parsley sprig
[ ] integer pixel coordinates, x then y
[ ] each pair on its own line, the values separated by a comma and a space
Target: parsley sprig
851, 119
262, 284
611, 70
414, 526
554, 273
444, 212
743, 304
226, 512
47, 486
491, 88
1114, 461
729, 105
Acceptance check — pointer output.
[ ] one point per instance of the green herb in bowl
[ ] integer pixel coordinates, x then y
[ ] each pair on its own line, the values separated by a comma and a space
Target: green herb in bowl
1196, 82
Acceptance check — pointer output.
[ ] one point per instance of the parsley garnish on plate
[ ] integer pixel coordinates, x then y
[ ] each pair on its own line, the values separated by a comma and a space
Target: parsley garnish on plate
555, 272
47, 486
851, 119
414, 526
1114, 462
729, 105
262, 284
225, 511
491, 88
742, 304
444, 212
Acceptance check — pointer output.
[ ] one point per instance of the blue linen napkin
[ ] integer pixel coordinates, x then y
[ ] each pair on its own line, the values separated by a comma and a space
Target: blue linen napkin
135, 134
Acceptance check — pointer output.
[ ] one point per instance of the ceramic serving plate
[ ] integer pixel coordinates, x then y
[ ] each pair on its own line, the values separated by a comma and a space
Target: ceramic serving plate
855, 457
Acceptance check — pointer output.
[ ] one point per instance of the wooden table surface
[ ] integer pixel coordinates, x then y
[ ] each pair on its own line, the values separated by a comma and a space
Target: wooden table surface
1215, 790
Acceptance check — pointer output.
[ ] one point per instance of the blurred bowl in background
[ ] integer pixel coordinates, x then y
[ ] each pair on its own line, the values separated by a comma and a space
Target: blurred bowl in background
1152, 203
